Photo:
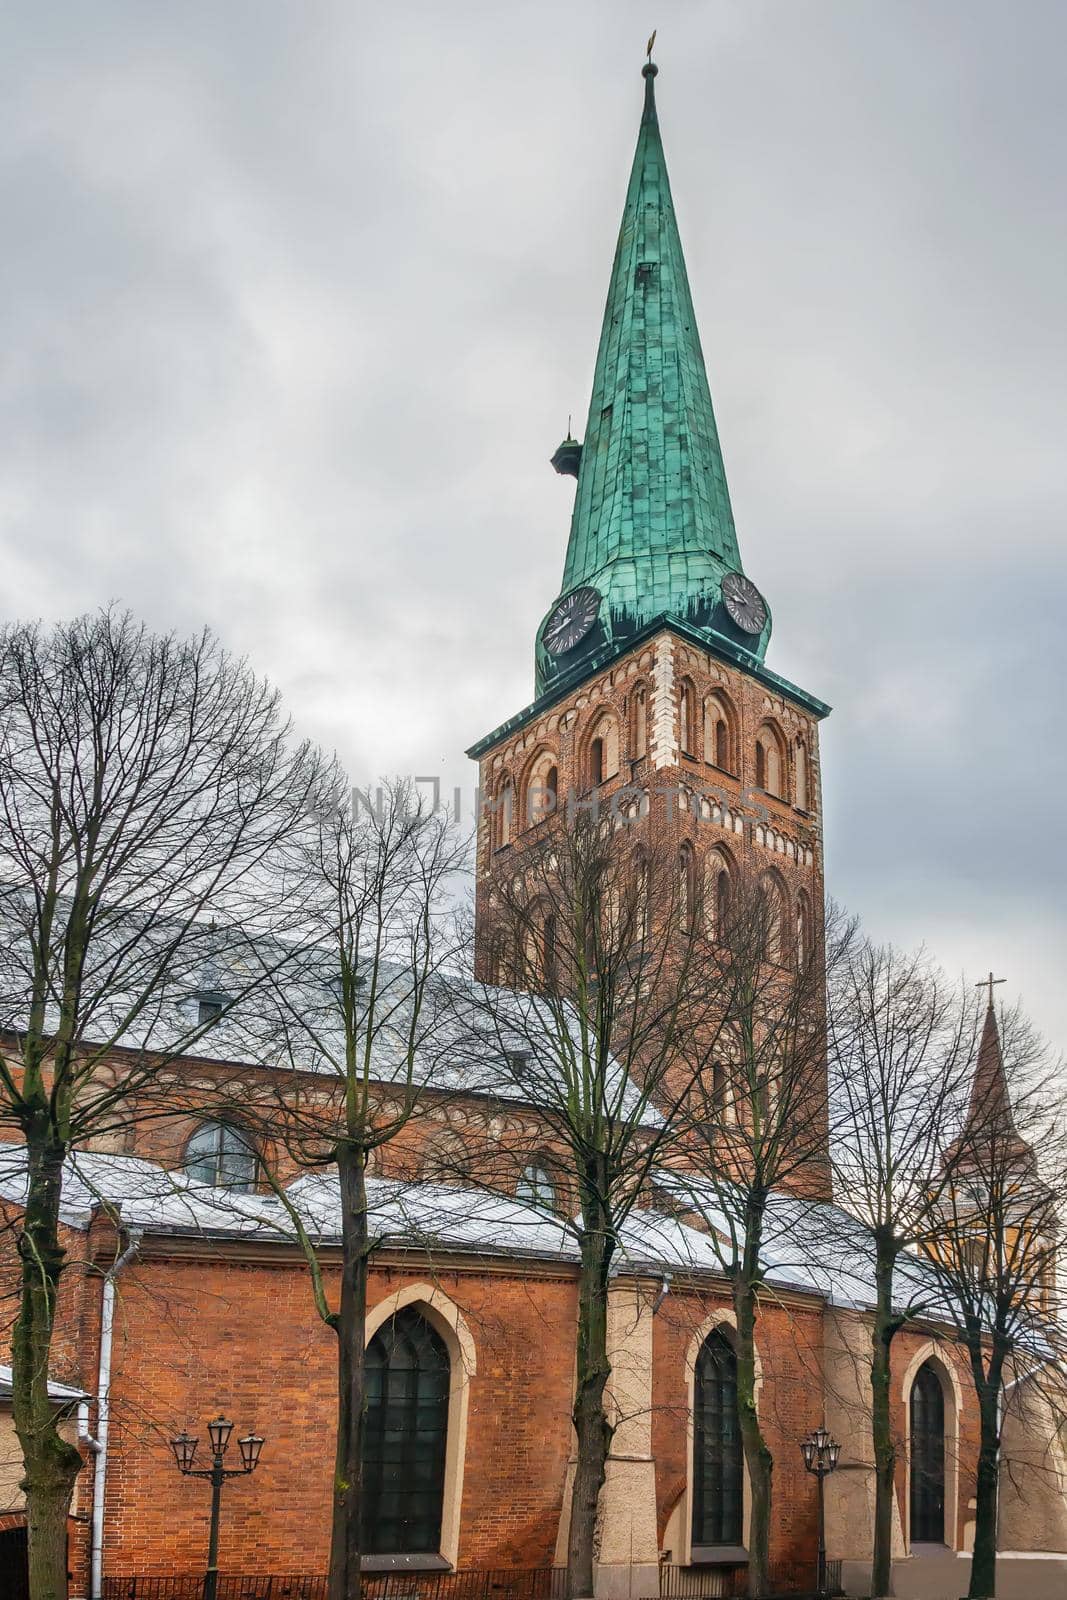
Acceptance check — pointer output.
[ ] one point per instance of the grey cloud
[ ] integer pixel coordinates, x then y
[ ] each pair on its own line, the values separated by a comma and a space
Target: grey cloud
295, 301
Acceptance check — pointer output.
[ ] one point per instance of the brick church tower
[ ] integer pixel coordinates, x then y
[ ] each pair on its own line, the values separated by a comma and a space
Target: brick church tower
652, 694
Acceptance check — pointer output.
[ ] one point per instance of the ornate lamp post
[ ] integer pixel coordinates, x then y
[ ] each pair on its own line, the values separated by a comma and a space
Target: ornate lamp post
184, 1447
820, 1451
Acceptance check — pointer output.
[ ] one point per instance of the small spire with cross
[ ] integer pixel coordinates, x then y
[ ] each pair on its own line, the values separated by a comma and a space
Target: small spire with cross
989, 983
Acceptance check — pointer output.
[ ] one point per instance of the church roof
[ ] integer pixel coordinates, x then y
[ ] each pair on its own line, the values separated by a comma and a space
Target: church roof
990, 1123
653, 528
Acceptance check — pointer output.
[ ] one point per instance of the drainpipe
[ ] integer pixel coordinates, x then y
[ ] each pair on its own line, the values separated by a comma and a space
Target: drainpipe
664, 1291
98, 1445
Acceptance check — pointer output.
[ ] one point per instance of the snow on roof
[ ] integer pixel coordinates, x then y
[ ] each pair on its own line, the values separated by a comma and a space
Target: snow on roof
59, 1392
445, 1217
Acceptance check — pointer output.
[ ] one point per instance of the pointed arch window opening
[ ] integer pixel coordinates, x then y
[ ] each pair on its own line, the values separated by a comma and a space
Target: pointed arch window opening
927, 1489
800, 771
408, 1380
639, 723
687, 719
718, 1472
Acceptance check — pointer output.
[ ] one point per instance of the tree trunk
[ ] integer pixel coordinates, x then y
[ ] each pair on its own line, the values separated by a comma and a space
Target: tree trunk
984, 1556
758, 1458
346, 1538
885, 1455
591, 1425
51, 1463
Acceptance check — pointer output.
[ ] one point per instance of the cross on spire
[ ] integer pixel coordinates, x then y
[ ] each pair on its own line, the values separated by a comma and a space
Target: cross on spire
989, 983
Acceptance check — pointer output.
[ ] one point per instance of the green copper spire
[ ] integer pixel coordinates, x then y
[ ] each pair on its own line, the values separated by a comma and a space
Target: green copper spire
653, 529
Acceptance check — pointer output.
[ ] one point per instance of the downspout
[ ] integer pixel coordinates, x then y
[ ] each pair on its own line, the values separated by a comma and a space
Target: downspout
98, 1445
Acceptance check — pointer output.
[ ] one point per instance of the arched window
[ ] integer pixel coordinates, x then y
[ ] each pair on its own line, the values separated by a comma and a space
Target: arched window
802, 939
503, 813
717, 894
221, 1155
643, 894
718, 1476
769, 761
927, 1457
542, 788
639, 722
408, 1376
687, 718
535, 1186
603, 757
772, 909
686, 885
719, 733
800, 769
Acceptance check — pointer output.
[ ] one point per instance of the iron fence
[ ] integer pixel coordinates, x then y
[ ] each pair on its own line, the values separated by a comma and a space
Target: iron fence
494, 1583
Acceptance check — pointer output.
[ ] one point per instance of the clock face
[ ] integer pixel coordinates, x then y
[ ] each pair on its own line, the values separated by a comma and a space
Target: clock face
571, 620
744, 602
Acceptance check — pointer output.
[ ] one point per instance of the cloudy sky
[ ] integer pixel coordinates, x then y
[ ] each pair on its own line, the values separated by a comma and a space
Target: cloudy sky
296, 299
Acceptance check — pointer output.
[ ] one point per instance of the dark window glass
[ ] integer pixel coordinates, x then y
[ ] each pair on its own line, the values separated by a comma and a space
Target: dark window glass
722, 745
404, 1438
927, 1458
717, 1469
596, 762
222, 1156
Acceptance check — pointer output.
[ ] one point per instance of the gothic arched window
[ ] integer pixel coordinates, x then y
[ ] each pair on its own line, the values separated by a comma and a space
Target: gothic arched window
686, 885
802, 939
221, 1155
717, 1464
408, 1376
769, 762
687, 718
800, 772
717, 894
773, 913
927, 1415
542, 788
603, 757
719, 733
639, 723
502, 814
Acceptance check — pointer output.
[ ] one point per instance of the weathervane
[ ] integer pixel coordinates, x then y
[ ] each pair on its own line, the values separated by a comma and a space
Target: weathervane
988, 983
651, 42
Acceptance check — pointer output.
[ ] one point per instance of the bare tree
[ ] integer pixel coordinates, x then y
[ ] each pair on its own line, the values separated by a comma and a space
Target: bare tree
149, 793
363, 1008
592, 979
757, 1128
994, 1258
901, 1048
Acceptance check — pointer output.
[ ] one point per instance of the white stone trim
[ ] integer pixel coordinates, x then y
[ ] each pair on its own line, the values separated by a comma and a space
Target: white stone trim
663, 717
950, 1384
445, 1318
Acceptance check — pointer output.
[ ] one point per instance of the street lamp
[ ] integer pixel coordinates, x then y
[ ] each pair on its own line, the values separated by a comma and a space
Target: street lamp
820, 1451
184, 1447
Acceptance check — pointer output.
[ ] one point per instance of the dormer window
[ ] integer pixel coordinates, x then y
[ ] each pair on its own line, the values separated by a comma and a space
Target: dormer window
209, 1006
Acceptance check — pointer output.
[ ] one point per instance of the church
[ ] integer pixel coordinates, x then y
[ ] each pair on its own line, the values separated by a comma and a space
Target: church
651, 679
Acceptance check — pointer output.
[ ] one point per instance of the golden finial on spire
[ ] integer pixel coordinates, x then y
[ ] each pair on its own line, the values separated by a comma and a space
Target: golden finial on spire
651, 42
